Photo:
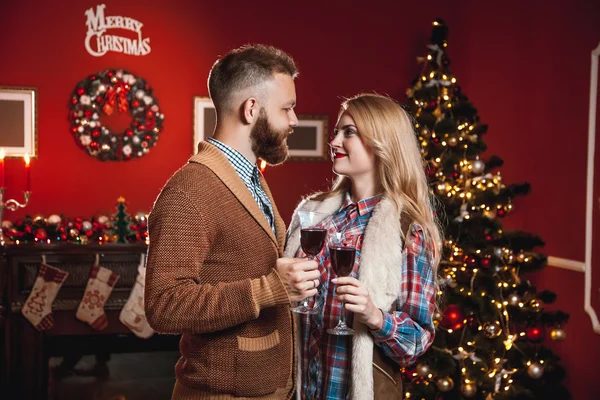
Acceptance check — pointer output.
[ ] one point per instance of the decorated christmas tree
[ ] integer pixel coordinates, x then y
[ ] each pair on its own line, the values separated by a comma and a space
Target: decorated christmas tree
121, 223
492, 323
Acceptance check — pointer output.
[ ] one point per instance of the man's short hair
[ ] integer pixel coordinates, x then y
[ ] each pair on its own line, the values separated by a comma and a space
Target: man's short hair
246, 67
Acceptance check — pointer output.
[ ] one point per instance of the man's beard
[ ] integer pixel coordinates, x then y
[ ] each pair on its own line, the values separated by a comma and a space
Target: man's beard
268, 143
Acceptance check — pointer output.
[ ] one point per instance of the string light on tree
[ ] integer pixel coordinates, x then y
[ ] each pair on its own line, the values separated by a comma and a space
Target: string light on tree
558, 334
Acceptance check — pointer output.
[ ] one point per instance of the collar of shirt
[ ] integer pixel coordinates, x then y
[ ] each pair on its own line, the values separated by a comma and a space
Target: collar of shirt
364, 206
240, 163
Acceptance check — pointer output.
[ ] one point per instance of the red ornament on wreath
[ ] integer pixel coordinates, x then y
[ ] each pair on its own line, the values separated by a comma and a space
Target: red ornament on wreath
104, 93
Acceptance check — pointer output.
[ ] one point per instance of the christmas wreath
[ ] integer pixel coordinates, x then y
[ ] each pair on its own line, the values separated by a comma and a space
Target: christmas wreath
103, 93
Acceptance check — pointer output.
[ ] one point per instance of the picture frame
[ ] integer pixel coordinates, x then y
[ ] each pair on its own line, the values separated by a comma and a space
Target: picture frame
309, 140
205, 120
592, 221
19, 121
590, 266
307, 143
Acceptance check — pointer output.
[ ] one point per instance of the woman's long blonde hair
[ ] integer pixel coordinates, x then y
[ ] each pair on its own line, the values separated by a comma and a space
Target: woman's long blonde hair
387, 130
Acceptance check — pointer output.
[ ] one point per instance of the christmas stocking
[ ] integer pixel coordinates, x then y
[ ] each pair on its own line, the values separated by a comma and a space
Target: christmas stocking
38, 307
132, 314
99, 287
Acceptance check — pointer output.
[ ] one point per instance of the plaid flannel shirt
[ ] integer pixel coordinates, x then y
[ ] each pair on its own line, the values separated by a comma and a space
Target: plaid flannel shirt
405, 334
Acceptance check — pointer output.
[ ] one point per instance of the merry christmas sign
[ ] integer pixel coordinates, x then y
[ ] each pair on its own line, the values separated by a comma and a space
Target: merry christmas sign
99, 41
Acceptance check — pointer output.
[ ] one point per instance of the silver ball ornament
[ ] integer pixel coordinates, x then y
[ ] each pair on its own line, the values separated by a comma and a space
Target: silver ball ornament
54, 219
535, 370
478, 166
87, 226
492, 329
514, 299
140, 216
498, 252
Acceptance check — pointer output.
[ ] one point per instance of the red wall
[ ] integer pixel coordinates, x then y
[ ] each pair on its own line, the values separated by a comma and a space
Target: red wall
525, 65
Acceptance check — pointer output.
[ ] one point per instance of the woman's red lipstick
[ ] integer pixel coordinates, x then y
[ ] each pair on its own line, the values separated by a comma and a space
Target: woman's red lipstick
339, 155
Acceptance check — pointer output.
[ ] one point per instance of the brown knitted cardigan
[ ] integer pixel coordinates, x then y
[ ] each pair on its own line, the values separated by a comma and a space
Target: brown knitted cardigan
210, 277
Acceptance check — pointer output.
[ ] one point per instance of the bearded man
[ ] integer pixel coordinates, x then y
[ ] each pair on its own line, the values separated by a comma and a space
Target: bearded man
215, 272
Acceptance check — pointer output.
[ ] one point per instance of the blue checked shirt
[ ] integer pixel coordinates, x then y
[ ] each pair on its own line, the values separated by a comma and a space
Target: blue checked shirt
250, 176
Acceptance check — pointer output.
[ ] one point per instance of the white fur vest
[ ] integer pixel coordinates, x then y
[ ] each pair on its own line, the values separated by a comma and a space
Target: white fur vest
382, 267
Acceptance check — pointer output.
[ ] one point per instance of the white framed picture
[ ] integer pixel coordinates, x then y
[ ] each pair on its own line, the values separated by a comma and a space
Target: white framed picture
18, 121
307, 143
309, 140
205, 120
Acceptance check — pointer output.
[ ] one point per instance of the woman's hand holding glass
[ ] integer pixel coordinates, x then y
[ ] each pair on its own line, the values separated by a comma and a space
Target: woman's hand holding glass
356, 299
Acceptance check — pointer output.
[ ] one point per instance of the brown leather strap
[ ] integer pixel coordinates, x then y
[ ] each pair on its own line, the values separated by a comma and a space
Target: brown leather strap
387, 378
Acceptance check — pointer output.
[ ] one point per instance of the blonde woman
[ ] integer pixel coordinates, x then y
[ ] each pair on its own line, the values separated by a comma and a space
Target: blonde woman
382, 199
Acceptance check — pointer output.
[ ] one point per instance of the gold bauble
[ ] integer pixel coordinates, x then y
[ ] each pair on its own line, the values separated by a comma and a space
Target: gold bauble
445, 384
423, 369
468, 389
492, 329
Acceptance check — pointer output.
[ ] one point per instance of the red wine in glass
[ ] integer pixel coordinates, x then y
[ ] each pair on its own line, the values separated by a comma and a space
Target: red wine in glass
342, 259
342, 254
312, 240
313, 234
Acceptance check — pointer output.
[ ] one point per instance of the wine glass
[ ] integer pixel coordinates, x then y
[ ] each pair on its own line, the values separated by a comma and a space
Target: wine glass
312, 239
342, 253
